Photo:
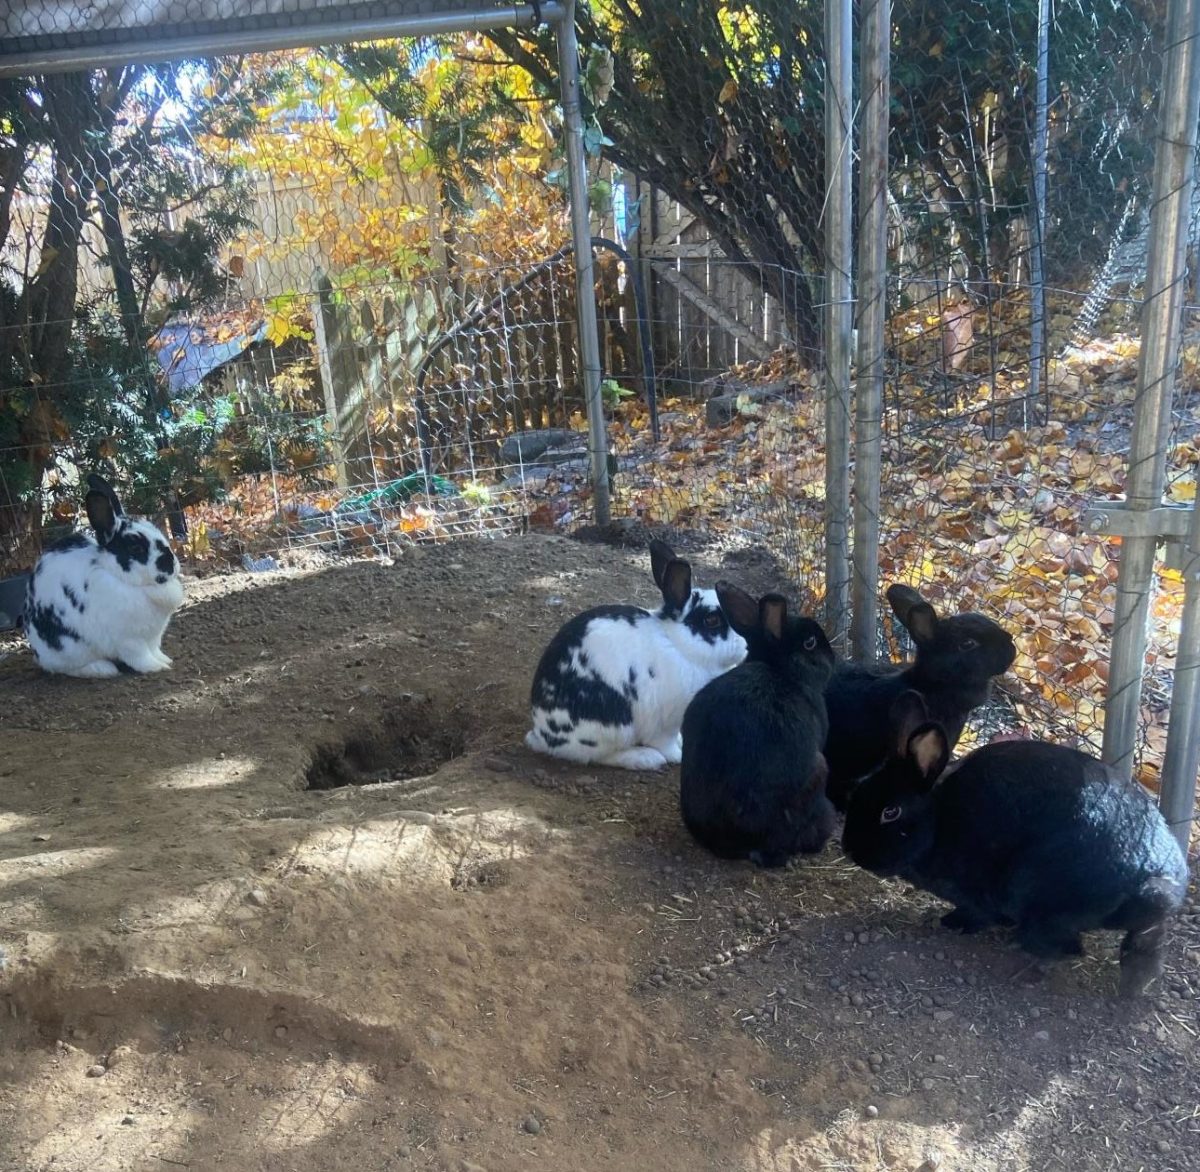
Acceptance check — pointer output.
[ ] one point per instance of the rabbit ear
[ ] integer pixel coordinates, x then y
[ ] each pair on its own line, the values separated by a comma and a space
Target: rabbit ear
914, 612
772, 615
97, 483
661, 556
676, 584
907, 713
929, 751
740, 608
102, 515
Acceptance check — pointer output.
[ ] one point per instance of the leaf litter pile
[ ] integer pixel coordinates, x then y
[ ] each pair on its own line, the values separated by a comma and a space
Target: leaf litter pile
982, 504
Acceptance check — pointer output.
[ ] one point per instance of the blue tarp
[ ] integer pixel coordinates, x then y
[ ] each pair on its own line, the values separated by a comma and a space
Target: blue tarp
187, 353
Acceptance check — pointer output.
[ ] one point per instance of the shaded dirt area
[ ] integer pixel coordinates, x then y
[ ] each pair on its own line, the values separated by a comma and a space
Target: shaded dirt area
220, 954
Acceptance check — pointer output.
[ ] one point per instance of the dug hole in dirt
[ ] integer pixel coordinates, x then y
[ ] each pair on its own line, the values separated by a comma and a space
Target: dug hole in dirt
307, 903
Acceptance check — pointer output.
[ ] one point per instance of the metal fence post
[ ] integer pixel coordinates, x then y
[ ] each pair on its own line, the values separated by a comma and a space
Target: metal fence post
1037, 255
581, 235
1181, 762
839, 317
1162, 320
875, 71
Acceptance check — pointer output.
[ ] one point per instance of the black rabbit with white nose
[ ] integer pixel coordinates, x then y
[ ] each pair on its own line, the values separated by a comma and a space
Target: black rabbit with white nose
1027, 833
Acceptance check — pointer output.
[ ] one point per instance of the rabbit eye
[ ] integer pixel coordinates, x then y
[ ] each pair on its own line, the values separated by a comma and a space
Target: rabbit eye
969, 644
810, 644
890, 814
712, 621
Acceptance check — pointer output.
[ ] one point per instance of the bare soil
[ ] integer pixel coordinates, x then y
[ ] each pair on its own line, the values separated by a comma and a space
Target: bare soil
306, 903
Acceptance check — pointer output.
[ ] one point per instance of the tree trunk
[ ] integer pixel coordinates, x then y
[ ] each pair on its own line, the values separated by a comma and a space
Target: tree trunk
35, 345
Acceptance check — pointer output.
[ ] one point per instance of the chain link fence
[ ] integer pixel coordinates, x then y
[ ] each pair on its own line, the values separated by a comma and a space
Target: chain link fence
324, 299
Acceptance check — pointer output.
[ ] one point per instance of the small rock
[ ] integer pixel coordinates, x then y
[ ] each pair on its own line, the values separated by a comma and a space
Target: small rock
227, 1034
848, 937
864, 937
281, 1031
97, 1071
875, 1058
943, 1014
116, 1056
1042, 1035
498, 765
257, 897
128, 1121
928, 1084
872, 1112
532, 1124
41, 838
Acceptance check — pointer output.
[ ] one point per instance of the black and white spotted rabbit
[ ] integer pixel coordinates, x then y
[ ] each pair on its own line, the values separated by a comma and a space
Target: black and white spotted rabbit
100, 607
612, 686
1027, 833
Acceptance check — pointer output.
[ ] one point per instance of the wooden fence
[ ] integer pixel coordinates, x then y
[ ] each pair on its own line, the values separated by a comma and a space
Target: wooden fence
510, 365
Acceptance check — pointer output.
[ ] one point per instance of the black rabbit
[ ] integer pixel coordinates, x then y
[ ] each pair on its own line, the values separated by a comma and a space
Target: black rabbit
752, 779
957, 657
1021, 832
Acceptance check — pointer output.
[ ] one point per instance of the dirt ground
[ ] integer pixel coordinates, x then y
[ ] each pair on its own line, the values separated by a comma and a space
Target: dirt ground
219, 954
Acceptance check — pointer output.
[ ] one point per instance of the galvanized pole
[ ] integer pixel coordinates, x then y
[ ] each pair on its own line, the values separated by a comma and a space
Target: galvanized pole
839, 317
581, 235
1162, 320
1181, 763
875, 23
154, 44
1037, 259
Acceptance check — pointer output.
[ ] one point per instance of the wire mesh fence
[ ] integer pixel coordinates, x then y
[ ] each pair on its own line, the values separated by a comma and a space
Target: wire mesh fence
324, 298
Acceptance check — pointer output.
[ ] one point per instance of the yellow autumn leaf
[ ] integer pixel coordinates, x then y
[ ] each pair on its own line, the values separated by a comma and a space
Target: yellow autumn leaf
729, 92
1182, 492
279, 329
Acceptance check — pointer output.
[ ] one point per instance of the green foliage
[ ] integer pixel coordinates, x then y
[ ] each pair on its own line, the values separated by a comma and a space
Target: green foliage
457, 116
722, 107
613, 394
